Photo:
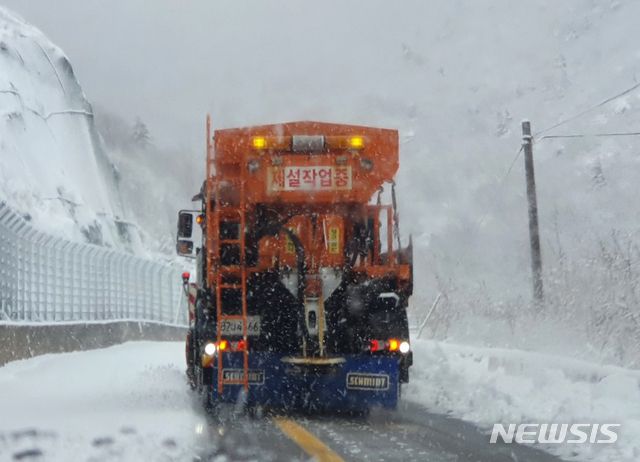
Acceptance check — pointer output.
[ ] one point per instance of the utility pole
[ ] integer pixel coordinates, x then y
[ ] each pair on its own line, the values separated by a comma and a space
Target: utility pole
534, 230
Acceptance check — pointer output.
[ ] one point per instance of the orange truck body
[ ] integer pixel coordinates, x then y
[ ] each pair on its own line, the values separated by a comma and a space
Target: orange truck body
333, 175
330, 182
298, 266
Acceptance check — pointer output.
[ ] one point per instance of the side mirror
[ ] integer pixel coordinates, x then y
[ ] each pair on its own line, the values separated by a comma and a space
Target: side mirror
188, 234
184, 248
185, 224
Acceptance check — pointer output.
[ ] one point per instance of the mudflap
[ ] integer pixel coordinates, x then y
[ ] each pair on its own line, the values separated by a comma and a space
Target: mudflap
358, 384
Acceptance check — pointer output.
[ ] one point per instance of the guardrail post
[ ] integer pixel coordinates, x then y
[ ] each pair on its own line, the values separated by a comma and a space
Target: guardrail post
93, 282
59, 273
132, 281
85, 283
144, 275
74, 281
120, 278
100, 284
167, 299
147, 295
121, 285
30, 261
156, 305
108, 279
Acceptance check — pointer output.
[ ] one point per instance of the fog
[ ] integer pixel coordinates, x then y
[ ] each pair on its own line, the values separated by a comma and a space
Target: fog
455, 77
171, 62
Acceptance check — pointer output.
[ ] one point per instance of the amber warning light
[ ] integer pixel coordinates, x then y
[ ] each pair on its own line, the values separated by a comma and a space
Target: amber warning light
308, 143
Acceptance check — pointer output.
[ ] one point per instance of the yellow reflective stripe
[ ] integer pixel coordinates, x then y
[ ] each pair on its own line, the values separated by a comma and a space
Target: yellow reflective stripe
311, 445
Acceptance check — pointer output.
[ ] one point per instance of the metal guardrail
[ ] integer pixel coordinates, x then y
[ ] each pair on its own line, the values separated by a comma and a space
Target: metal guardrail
44, 278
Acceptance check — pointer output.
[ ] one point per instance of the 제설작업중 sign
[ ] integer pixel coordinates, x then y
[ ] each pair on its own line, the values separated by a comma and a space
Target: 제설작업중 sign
312, 178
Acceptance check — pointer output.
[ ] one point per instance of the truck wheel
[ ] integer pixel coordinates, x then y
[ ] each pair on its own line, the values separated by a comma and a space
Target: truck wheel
403, 374
191, 378
211, 407
205, 393
207, 376
190, 356
255, 412
360, 413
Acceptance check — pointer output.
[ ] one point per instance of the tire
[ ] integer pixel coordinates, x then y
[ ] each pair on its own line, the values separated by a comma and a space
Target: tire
211, 407
207, 376
403, 374
191, 361
255, 412
361, 413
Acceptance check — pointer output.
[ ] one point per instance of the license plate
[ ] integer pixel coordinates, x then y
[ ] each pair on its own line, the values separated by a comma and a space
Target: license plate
235, 327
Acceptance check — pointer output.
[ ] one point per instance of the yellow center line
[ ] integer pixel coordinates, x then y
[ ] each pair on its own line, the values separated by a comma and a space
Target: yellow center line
311, 445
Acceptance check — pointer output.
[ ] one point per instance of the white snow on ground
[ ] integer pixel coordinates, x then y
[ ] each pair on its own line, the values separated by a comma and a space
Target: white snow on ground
125, 403
131, 402
491, 385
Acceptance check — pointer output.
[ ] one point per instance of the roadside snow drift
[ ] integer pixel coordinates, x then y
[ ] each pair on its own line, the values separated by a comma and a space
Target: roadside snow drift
126, 403
52, 166
489, 385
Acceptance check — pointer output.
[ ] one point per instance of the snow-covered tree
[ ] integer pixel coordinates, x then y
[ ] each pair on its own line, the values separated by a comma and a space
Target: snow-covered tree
140, 135
115, 130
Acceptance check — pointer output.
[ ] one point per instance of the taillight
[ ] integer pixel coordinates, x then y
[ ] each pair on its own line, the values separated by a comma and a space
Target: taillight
211, 349
225, 345
392, 345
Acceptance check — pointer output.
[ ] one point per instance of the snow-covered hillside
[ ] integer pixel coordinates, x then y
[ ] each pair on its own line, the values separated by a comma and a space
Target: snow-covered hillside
53, 168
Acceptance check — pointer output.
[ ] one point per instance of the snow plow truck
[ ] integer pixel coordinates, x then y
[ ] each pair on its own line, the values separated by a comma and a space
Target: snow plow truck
301, 289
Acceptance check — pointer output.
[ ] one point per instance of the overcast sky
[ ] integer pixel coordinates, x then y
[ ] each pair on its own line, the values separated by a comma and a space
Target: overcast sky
171, 61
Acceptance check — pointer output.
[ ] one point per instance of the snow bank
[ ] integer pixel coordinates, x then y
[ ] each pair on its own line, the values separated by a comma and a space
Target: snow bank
52, 165
487, 386
126, 403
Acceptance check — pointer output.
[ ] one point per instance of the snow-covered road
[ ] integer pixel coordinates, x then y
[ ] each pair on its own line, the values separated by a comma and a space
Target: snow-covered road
131, 403
128, 402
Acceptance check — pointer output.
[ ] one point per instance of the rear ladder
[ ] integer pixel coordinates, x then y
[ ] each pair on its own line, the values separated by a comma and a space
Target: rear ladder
236, 271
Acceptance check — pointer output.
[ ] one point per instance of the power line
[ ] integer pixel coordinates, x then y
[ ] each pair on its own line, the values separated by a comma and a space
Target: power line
515, 159
587, 135
484, 215
570, 119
